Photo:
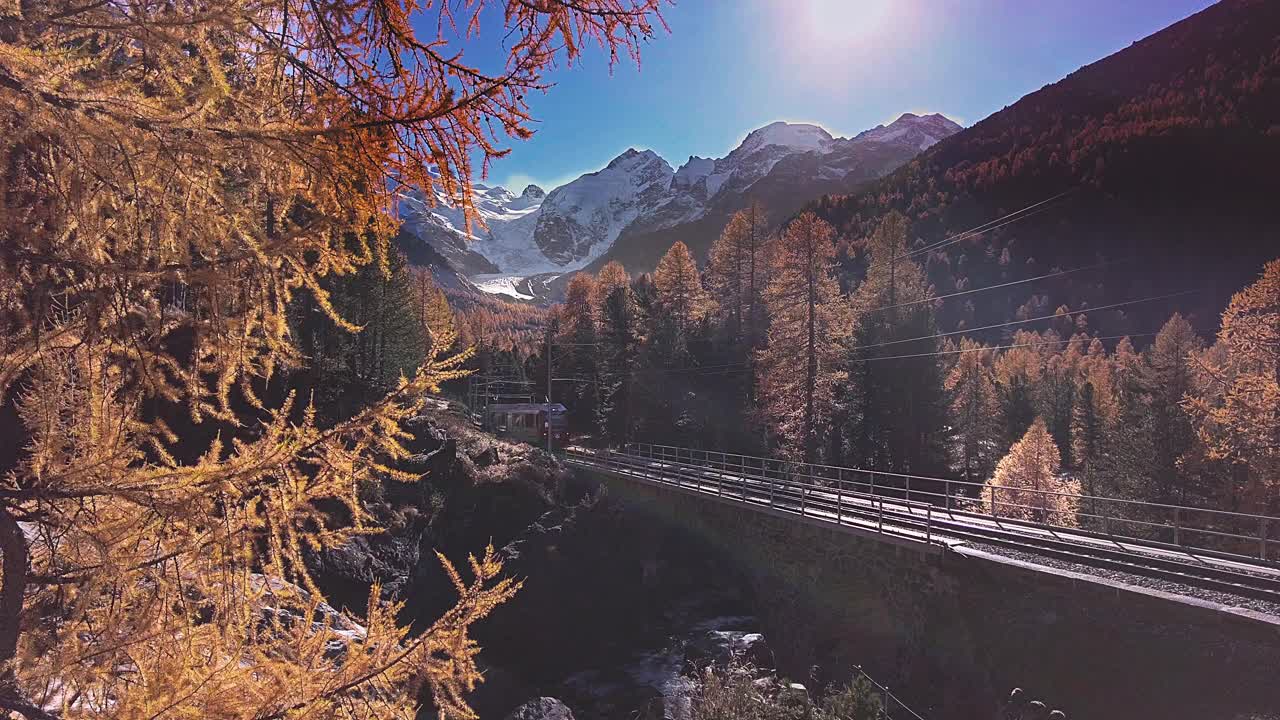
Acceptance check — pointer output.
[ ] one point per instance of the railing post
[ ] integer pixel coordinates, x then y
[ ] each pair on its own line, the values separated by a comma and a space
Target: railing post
1262, 538
839, 496
908, 493
764, 470
928, 522
873, 483
1177, 526
804, 493
880, 519
995, 499
947, 491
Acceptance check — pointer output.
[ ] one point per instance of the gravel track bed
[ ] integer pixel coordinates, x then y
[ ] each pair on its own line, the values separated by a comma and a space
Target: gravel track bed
1128, 578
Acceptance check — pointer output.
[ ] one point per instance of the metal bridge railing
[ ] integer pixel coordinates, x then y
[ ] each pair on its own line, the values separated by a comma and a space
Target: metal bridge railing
765, 486
1186, 528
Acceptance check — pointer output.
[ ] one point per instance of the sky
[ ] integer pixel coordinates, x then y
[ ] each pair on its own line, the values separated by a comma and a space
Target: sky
730, 66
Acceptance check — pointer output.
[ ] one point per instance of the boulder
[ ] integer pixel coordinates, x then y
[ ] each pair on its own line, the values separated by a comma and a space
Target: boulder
723, 647
543, 708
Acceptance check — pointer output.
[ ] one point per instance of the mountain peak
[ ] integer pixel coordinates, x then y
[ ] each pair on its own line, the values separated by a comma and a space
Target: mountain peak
632, 156
800, 136
533, 191
921, 131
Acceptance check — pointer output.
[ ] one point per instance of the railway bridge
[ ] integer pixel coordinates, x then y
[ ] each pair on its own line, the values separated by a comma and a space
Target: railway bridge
1136, 610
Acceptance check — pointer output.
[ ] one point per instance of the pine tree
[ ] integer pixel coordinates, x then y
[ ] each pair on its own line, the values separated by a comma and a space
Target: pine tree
176, 175
1167, 380
895, 409
975, 410
619, 350
1094, 418
1027, 485
800, 367
1018, 372
578, 354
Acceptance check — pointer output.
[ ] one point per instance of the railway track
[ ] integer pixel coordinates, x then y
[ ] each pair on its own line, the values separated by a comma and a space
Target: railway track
927, 523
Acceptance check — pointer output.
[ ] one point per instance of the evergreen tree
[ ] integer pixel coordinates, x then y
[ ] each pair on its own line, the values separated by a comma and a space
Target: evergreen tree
1018, 371
1167, 380
577, 355
1094, 417
1125, 470
619, 349
975, 410
895, 409
800, 367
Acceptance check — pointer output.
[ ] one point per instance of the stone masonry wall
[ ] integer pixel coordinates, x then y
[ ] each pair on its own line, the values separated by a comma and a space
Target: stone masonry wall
956, 629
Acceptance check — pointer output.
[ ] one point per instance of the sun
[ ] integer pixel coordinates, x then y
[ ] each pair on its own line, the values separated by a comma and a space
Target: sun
841, 30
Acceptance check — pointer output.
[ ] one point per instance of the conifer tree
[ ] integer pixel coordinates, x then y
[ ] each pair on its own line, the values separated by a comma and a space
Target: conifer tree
800, 367
680, 304
975, 410
735, 269
1094, 418
174, 175
895, 408
619, 351
1026, 484
1238, 407
578, 354
1018, 372
1167, 380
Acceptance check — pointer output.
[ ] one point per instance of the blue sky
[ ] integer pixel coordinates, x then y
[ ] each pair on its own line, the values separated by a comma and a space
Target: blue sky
730, 66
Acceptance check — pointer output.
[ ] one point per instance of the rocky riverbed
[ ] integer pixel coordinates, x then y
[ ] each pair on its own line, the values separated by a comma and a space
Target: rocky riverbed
613, 611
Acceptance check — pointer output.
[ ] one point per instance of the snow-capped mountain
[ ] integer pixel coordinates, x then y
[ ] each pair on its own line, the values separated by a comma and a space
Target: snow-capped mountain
919, 131
639, 195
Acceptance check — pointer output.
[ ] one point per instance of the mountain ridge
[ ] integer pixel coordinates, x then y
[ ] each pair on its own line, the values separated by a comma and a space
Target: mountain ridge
639, 193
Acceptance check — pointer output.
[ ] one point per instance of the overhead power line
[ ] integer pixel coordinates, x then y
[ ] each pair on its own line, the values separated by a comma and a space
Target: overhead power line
1112, 306
988, 226
1046, 276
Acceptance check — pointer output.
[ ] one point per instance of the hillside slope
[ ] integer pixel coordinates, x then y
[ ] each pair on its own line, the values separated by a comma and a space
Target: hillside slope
1167, 151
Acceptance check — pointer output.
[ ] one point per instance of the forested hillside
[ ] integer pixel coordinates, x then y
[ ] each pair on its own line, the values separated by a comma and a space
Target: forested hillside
1166, 153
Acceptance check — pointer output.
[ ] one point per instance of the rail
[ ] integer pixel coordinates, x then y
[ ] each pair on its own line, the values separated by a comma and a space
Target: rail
1222, 533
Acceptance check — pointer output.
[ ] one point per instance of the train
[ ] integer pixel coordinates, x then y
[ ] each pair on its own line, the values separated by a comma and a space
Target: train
528, 422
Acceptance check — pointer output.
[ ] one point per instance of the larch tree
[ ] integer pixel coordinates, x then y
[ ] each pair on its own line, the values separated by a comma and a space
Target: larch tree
174, 175
800, 367
1027, 485
975, 410
680, 303
1238, 408
735, 273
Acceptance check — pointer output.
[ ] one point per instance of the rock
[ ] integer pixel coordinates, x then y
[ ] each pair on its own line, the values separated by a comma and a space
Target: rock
543, 708
486, 457
723, 647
